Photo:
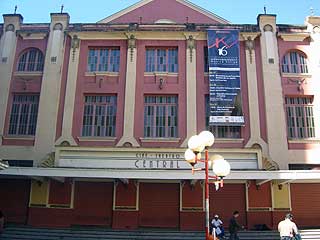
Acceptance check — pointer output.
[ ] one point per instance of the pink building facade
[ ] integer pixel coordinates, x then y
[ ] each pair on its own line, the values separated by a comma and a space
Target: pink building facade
95, 119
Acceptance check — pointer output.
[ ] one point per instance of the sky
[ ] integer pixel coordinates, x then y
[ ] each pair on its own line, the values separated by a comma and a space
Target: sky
235, 11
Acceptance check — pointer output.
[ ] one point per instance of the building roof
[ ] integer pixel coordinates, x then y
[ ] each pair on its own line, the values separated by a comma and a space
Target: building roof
179, 7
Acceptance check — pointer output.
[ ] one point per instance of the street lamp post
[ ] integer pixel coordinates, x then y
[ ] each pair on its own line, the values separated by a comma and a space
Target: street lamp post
220, 167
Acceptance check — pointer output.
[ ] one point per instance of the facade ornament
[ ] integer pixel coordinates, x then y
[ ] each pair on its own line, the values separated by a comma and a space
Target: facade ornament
131, 45
268, 28
48, 160
75, 45
161, 83
10, 28
249, 43
316, 30
269, 165
58, 26
299, 82
191, 44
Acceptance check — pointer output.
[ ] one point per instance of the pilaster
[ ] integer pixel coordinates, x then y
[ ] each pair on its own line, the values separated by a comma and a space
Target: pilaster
191, 86
313, 27
8, 43
50, 87
130, 94
69, 103
275, 118
251, 68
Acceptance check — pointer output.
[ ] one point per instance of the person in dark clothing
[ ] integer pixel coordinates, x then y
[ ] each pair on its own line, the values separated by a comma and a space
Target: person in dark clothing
234, 226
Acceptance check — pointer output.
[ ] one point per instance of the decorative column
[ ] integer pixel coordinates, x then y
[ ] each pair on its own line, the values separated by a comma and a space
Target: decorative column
275, 117
129, 105
50, 86
191, 86
69, 102
251, 68
313, 27
8, 45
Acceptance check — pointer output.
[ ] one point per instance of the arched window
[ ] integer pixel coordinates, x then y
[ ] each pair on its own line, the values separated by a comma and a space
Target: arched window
31, 61
294, 62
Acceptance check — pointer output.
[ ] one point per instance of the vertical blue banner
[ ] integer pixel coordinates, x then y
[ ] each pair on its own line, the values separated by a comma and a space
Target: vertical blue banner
224, 77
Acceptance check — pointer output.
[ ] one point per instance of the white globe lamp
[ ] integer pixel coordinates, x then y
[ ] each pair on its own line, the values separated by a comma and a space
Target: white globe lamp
207, 138
195, 144
220, 167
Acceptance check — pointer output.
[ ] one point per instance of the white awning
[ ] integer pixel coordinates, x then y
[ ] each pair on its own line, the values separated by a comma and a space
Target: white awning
157, 174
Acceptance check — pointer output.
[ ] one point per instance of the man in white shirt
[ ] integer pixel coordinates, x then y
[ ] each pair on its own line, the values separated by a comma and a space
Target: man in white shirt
287, 228
217, 225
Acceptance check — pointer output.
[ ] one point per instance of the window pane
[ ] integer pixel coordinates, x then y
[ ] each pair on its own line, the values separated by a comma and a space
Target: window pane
99, 116
31, 60
294, 62
150, 60
23, 116
103, 59
160, 116
161, 60
173, 60
300, 120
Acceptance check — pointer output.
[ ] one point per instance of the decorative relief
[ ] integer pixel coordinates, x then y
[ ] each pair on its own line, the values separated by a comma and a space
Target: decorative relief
10, 28
58, 26
269, 164
48, 160
249, 43
268, 28
75, 44
191, 44
27, 82
131, 45
299, 82
316, 30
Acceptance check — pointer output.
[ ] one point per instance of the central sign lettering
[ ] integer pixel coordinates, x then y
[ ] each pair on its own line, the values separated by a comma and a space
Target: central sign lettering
157, 160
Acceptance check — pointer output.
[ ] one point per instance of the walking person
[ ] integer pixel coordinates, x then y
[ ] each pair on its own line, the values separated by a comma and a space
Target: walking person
234, 226
288, 229
216, 224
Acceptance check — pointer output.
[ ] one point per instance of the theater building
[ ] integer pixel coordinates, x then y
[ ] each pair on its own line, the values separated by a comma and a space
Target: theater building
95, 119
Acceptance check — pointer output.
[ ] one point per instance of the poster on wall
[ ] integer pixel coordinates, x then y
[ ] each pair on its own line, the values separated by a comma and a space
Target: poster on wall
224, 77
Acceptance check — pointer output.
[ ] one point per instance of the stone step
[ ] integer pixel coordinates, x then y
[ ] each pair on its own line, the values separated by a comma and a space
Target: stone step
88, 233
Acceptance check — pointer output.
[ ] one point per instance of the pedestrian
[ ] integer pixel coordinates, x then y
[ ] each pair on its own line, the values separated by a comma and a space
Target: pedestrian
216, 224
234, 226
1, 221
288, 229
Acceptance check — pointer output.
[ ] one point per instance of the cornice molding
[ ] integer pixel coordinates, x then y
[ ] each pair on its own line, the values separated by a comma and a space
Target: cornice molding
293, 37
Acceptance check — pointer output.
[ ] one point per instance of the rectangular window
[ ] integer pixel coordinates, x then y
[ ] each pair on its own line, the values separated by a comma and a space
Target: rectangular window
161, 116
24, 114
300, 121
221, 131
161, 60
103, 60
99, 117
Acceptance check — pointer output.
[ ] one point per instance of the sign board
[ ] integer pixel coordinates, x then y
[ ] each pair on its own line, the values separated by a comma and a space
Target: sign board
144, 159
224, 78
